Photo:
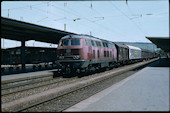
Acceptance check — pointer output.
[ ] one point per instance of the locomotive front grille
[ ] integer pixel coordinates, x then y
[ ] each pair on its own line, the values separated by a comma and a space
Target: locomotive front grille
68, 57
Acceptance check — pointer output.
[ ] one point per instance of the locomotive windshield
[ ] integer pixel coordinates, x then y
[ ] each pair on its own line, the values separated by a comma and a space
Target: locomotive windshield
64, 42
75, 42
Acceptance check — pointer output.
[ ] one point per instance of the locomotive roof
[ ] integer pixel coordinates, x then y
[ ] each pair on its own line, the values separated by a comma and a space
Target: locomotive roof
133, 47
121, 45
83, 36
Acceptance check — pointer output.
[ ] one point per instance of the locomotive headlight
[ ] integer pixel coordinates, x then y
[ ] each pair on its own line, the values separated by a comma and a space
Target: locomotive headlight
76, 57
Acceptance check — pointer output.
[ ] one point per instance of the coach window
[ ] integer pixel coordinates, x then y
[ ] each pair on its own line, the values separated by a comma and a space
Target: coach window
110, 54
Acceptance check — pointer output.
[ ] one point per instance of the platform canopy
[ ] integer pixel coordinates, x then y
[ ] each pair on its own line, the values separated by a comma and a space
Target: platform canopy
23, 31
161, 42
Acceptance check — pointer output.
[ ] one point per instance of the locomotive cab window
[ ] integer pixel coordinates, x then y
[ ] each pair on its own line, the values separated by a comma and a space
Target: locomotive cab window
75, 42
64, 43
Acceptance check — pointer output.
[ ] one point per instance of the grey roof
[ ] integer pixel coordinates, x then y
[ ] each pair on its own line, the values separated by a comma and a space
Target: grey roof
161, 42
19, 30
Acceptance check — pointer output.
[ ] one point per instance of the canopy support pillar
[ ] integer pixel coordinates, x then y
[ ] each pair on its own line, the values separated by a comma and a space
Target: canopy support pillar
23, 55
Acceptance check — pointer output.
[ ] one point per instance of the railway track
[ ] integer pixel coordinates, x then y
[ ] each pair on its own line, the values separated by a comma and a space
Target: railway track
32, 85
72, 96
61, 102
13, 93
14, 84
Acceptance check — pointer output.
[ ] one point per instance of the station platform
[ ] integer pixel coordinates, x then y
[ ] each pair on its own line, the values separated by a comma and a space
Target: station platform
146, 90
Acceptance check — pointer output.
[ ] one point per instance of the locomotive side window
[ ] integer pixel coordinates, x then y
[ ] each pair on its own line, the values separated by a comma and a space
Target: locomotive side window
92, 42
104, 44
98, 44
104, 53
98, 54
86, 42
95, 43
75, 42
101, 44
107, 53
113, 46
93, 53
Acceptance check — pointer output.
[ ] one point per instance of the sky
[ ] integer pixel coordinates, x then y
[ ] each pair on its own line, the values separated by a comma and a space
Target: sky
110, 20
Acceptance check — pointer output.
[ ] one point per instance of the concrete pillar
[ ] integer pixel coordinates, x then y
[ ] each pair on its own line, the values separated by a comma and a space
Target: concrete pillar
23, 55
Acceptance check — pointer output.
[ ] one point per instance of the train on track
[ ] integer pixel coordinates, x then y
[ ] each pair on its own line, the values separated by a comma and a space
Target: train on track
12, 56
84, 53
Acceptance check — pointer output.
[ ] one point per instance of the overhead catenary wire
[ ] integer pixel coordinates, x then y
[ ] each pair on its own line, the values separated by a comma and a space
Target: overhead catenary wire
23, 7
31, 8
129, 19
102, 15
76, 14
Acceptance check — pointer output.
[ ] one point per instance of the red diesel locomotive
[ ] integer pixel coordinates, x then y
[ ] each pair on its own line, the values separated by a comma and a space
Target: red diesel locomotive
85, 53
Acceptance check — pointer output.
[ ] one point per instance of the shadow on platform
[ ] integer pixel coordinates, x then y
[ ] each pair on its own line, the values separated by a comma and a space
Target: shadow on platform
162, 62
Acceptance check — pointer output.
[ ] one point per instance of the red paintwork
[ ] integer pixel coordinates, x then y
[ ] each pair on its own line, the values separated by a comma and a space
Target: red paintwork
86, 51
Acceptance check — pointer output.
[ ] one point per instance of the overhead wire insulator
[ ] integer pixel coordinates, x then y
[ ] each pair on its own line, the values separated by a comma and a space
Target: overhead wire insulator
126, 2
91, 6
76, 19
8, 13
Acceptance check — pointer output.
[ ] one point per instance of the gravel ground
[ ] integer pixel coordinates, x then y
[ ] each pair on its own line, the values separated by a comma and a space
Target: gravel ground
17, 95
23, 82
31, 85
